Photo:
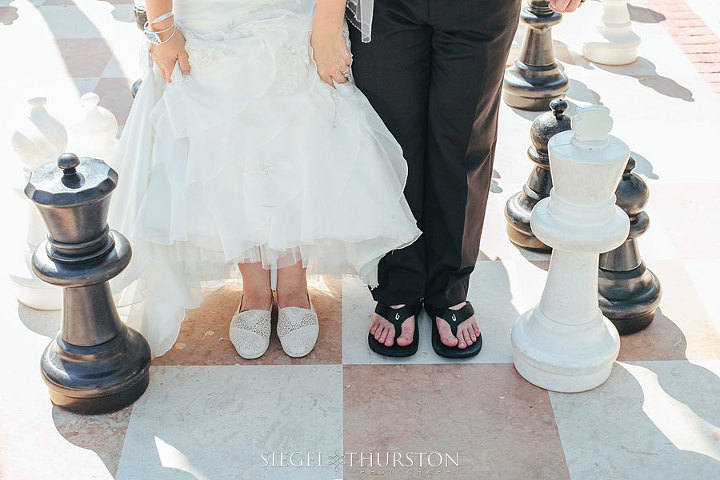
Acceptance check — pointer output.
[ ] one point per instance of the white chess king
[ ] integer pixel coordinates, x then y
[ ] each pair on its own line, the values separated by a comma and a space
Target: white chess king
565, 344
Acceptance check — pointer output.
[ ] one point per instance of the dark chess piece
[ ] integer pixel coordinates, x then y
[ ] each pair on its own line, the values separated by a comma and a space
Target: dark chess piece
519, 207
96, 364
140, 19
629, 291
535, 79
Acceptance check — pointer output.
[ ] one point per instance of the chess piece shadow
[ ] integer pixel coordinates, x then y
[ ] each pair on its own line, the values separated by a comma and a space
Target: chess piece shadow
644, 167
645, 15
494, 185
74, 68
9, 16
582, 93
103, 434
491, 295
567, 56
645, 72
639, 438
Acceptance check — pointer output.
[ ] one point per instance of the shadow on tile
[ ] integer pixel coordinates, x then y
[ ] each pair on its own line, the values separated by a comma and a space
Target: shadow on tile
103, 434
645, 15
645, 72
655, 419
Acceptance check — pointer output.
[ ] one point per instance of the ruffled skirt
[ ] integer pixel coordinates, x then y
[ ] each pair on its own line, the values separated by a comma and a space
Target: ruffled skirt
249, 158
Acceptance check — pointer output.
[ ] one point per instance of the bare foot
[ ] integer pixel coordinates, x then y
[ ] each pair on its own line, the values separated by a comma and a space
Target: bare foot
384, 331
467, 332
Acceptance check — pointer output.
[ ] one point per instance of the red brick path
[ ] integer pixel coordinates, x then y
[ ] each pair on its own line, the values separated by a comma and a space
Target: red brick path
699, 43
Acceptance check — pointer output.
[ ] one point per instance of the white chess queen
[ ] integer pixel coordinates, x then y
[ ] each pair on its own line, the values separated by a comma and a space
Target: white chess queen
247, 149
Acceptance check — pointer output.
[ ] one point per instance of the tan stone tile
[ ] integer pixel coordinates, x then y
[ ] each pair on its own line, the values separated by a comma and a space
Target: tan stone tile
499, 425
682, 328
84, 57
115, 96
204, 337
103, 434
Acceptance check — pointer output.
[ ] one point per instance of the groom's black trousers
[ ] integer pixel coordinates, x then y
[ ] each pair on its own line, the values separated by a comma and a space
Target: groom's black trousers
433, 71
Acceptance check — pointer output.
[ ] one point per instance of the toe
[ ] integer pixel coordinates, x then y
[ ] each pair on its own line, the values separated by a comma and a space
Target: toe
466, 336
408, 332
390, 337
380, 333
374, 326
446, 336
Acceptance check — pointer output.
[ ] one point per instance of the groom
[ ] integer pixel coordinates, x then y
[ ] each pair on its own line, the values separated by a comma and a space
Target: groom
433, 71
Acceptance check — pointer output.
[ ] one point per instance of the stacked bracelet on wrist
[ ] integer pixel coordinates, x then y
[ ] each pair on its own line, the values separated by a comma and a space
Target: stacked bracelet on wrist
153, 36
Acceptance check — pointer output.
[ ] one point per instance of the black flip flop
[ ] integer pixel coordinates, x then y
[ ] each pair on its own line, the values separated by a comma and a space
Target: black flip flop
396, 316
453, 318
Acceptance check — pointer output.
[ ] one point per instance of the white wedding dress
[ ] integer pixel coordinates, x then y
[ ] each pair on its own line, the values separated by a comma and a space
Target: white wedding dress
249, 158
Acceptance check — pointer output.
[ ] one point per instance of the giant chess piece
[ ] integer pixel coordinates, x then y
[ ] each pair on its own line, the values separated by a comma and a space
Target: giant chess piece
95, 134
564, 343
519, 207
629, 292
535, 79
614, 42
96, 364
37, 139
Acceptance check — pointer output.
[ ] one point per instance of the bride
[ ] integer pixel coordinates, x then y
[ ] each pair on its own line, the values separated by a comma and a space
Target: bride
248, 148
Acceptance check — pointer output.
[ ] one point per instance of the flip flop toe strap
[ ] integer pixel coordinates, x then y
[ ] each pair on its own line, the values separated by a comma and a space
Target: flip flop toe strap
455, 317
396, 316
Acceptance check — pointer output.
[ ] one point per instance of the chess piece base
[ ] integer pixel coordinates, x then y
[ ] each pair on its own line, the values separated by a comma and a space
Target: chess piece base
564, 358
629, 299
614, 51
532, 88
97, 379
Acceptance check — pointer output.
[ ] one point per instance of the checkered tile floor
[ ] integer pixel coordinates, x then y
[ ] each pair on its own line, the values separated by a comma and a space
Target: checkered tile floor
208, 414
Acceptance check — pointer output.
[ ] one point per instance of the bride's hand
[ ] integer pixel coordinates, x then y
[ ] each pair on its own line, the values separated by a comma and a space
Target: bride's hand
167, 54
329, 46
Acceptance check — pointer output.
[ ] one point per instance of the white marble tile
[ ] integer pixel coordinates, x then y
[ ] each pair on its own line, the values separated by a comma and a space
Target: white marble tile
704, 276
649, 420
499, 292
217, 422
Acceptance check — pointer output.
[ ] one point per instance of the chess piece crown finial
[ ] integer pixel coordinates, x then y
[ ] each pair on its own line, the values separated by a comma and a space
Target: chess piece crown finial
591, 126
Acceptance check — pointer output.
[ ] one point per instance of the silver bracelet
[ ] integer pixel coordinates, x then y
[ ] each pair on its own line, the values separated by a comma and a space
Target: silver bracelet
154, 38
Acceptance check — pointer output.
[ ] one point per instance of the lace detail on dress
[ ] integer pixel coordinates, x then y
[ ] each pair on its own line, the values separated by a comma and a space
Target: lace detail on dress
292, 64
203, 53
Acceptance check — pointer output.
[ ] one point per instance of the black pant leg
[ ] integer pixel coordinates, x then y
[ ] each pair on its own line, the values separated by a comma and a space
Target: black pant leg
393, 71
471, 40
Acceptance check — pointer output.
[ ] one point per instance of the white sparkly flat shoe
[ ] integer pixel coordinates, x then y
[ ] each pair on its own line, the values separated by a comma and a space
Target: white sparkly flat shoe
298, 329
250, 331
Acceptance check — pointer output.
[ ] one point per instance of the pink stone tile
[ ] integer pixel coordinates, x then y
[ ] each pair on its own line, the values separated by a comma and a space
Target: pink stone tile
690, 216
84, 57
115, 96
485, 416
103, 434
682, 328
8, 15
204, 337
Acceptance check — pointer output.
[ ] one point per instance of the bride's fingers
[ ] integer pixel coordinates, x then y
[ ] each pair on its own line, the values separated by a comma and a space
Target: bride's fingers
339, 78
184, 62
